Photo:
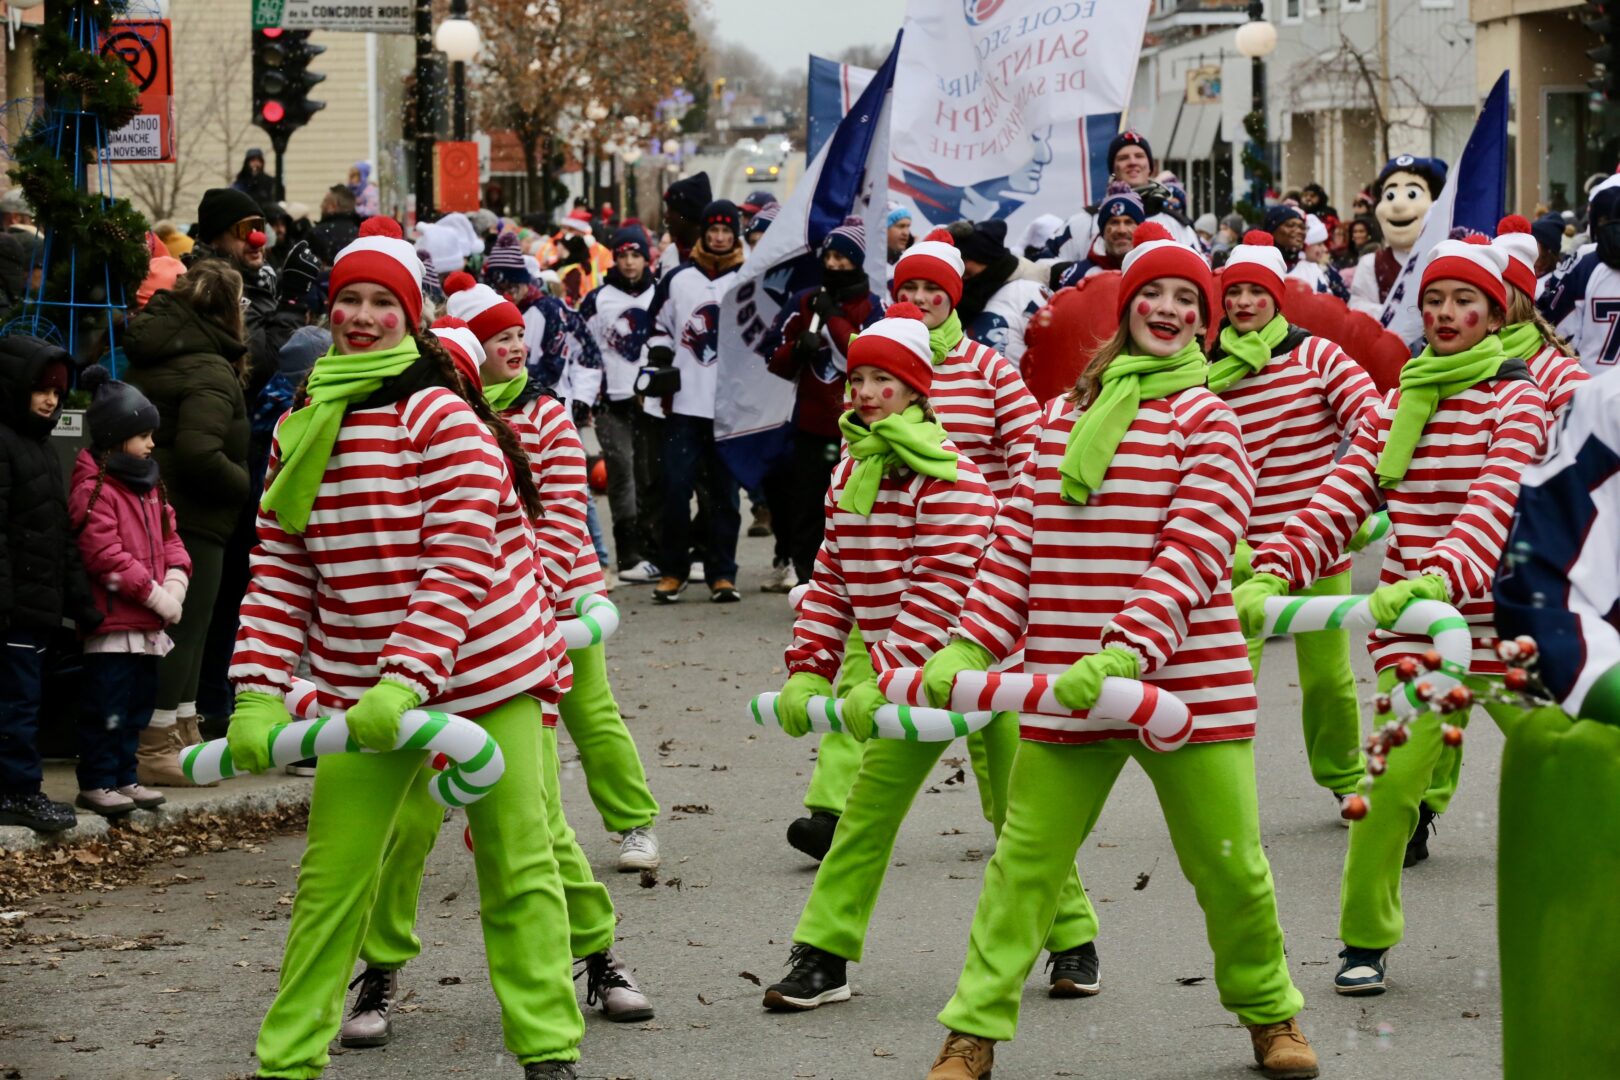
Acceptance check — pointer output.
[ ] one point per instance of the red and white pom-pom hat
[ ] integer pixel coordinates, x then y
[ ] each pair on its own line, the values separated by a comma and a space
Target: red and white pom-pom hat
1515, 240
933, 258
898, 344
463, 346
483, 309
385, 261
1473, 260
1256, 261
1156, 255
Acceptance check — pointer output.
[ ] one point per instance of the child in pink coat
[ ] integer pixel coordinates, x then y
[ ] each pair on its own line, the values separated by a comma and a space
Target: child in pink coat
138, 571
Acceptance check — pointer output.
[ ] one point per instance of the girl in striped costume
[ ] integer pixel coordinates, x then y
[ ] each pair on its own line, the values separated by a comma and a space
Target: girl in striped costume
1445, 449
990, 416
1528, 337
556, 460
908, 518
1295, 396
395, 550
1112, 559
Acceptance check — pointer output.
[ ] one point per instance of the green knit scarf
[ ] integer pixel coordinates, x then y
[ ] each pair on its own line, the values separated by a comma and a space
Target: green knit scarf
501, 395
1426, 380
906, 438
306, 437
944, 337
1245, 353
1521, 341
1126, 382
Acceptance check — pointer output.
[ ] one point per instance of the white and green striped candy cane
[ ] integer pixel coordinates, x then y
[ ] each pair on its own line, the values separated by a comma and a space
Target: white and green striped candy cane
902, 722
1440, 623
591, 620
1374, 529
475, 758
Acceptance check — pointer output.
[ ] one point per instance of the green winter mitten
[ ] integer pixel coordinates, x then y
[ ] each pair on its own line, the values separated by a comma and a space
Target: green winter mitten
248, 737
941, 670
374, 719
792, 705
1078, 687
1242, 563
860, 706
1250, 601
1388, 601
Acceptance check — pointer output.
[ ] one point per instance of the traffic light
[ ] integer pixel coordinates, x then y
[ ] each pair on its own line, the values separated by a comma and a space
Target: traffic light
1602, 17
282, 82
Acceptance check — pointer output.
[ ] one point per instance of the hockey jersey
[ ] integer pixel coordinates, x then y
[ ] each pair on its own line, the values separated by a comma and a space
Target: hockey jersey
1583, 304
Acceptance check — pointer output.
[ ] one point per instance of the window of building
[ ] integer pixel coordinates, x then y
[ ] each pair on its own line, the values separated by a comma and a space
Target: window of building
1581, 139
1437, 3
1293, 11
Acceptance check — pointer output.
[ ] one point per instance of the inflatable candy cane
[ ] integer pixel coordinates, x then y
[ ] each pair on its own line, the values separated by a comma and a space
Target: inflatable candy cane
889, 722
474, 758
593, 620
1162, 720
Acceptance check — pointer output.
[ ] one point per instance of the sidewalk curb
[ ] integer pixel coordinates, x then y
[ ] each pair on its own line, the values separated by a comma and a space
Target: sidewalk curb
293, 791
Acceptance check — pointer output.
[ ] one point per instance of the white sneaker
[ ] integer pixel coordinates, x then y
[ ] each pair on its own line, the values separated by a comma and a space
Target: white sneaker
643, 573
779, 579
639, 851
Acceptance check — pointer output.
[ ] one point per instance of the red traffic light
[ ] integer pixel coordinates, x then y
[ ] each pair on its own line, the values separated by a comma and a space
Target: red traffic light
273, 112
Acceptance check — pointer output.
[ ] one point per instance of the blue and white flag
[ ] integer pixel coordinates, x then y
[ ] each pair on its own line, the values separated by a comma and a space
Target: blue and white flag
1473, 198
753, 409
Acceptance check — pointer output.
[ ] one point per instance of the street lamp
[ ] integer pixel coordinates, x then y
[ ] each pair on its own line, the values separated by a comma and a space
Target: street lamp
458, 39
1256, 39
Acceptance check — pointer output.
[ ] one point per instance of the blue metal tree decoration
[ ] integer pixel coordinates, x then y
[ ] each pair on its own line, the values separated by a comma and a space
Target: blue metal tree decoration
93, 253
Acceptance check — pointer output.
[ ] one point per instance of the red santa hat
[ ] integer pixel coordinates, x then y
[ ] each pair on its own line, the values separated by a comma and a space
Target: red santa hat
898, 344
1155, 256
935, 259
1473, 260
1514, 239
1256, 261
463, 346
485, 311
381, 260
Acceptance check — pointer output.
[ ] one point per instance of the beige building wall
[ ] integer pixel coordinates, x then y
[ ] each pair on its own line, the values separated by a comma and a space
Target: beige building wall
213, 110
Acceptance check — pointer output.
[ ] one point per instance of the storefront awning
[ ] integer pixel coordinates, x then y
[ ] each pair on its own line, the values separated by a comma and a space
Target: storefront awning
1195, 136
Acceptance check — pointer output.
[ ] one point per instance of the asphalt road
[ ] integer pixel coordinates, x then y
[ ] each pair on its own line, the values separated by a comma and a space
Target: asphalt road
170, 979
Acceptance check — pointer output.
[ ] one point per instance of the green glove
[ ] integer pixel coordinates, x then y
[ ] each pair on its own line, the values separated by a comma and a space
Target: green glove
1242, 563
1250, 600
1388, 601
944, 666
1364, 535
374, 719
1078, 687
248, 737
792, 707
860, 706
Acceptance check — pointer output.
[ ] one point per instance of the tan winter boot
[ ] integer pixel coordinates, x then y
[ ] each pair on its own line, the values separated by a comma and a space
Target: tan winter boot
157, 759
1282, 1052
190, 732
964, 1057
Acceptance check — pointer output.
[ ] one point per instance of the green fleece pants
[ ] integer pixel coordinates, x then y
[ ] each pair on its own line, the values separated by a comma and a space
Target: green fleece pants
355, 802
846, 888
391, 940
1370, 892
613, 773
1207, 794
1329, 710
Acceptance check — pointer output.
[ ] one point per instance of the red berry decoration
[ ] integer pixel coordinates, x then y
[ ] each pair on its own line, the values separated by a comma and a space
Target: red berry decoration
1399, 735
438, 763
1460, 697
1432, 660
1452, 734
1406, 669
1376, 765
1423, 690
466, 837
1527, 647
1354, 808
1516, 680
1382, 704
1507, 650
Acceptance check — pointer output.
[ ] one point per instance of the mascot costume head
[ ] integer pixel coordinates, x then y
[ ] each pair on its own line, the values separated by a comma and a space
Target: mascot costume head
1405, 190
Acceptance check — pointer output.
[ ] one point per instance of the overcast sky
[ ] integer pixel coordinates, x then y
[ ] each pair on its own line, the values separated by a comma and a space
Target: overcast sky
785, 33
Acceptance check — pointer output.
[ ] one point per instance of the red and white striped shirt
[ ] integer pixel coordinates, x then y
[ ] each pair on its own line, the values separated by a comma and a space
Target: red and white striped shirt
1294, 412
1558, 376
417, 565
983, 405
1144, 564
557, 462
1449, 514
900, 573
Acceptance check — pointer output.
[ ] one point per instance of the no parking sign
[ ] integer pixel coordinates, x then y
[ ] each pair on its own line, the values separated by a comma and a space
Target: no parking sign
145, 48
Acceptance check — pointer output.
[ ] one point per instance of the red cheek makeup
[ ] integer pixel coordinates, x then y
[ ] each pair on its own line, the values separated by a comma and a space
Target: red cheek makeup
339, 316
1143, 308
390, 321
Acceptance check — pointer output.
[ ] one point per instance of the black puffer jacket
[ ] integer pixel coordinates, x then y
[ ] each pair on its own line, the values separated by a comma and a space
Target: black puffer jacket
41, 578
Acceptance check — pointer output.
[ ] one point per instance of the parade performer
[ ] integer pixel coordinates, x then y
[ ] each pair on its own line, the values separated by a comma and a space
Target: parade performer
908, 518
1445, 449
454, 620
1296, 397
1150, 546
390, 941
1406, 188
1593, 278
990, 416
